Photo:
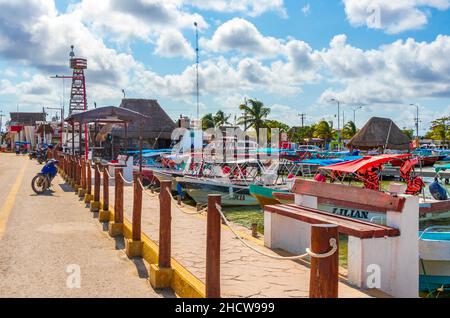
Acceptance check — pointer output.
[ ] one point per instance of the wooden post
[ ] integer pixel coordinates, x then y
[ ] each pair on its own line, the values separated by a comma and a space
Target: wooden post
83, 174
324, 271
88, 197
161, 274
105, 188
165, 224
255, 230
137, 208
118, 206
213, 232
95, 203
116, 227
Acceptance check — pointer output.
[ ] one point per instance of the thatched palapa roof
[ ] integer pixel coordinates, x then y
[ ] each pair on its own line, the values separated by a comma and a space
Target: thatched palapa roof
380, 132
157, 125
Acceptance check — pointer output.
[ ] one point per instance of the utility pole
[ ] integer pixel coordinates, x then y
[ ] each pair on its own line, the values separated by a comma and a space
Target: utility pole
417, 119
338, 115
354, 113
1, 121
197, 51
302, 117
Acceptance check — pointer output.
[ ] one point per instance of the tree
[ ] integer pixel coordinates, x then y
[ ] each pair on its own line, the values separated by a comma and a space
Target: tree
408, 133
349, 130
277, 124
255, 115
208, 121
220, 119
323, 131
440, 129
299, 134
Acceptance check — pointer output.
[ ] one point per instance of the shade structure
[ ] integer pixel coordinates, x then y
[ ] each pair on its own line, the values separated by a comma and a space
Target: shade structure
364, 163
380, 132
112, 115
109, 114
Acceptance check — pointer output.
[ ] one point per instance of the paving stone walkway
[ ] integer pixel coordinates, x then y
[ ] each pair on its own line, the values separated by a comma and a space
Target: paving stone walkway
244, 273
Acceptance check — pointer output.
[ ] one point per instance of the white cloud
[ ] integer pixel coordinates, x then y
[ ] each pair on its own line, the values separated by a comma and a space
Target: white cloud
306, 9
240, 35
250, 7
141, 19
172, 43
392, 16
391, 74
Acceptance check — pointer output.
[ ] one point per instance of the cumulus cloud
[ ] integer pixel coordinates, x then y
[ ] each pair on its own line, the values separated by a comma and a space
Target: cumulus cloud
392, 16
141, 19
392, 73
250, 7
172, 43
240, 35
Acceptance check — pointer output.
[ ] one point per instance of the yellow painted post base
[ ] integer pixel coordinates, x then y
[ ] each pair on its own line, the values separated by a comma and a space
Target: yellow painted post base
76, 187
88, 198
70, 182
95, 206
160, 277
103, 216
81, 192
115, 229
134, 248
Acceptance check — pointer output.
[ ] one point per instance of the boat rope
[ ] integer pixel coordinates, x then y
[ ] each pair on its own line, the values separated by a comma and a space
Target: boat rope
124, 180
333, 244
144, 189
109, 176
185, 212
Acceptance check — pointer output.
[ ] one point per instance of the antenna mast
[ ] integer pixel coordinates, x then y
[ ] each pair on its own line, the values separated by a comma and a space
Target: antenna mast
197, 65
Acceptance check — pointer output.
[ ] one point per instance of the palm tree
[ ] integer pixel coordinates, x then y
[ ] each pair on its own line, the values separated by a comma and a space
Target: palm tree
208, 121
220, 119
323, 130
349, 130
255, 115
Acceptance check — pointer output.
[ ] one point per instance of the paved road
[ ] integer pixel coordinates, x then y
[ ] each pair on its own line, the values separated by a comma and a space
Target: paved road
45, 241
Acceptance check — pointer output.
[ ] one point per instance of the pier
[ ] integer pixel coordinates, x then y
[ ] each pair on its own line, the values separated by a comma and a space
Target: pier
45, 239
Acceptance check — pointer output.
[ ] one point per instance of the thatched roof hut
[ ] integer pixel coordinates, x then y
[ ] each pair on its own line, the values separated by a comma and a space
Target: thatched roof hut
380, 132
157, 127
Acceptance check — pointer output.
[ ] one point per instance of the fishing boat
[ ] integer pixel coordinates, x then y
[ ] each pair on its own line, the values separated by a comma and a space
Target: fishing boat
232, 194
434, 251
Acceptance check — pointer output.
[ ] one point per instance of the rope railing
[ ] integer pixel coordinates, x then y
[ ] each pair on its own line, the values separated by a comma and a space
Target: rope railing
109, 175
333, 244
185, 212
144, 190
124, 180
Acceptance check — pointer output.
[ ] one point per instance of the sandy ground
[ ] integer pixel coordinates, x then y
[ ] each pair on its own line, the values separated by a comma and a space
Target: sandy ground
52, 245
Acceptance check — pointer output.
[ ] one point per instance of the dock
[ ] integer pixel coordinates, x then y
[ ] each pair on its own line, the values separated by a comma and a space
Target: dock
53, 237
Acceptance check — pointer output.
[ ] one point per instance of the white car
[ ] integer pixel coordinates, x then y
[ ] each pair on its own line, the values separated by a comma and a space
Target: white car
308, 148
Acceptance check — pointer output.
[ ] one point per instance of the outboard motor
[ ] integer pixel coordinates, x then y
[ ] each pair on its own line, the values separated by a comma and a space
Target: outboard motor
438, 191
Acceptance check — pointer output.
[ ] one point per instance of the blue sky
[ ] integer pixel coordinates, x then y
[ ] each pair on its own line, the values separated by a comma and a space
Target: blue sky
293, 55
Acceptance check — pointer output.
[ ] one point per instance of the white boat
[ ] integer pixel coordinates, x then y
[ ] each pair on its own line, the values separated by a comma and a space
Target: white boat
434, 251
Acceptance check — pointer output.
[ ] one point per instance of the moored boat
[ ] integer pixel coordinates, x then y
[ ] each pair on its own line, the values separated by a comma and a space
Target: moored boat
434, 251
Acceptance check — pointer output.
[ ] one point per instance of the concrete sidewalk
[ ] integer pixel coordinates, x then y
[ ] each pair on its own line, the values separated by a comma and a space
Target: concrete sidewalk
47, 239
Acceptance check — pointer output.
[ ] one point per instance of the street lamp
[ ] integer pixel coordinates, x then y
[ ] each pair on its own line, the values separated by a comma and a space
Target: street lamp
354, 113
417, 119
339, 115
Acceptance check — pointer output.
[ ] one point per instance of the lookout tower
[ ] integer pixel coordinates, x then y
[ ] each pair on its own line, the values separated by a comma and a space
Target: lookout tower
78, 101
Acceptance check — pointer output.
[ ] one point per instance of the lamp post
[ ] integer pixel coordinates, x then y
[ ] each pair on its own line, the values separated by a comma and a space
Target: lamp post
417, 119
339, 115
354, 113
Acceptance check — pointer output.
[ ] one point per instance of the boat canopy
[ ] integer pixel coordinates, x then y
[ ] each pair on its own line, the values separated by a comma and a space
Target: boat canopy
442, 167
364, 163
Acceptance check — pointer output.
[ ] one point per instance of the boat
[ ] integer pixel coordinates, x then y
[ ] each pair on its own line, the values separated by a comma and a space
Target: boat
434, 251
231, 194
